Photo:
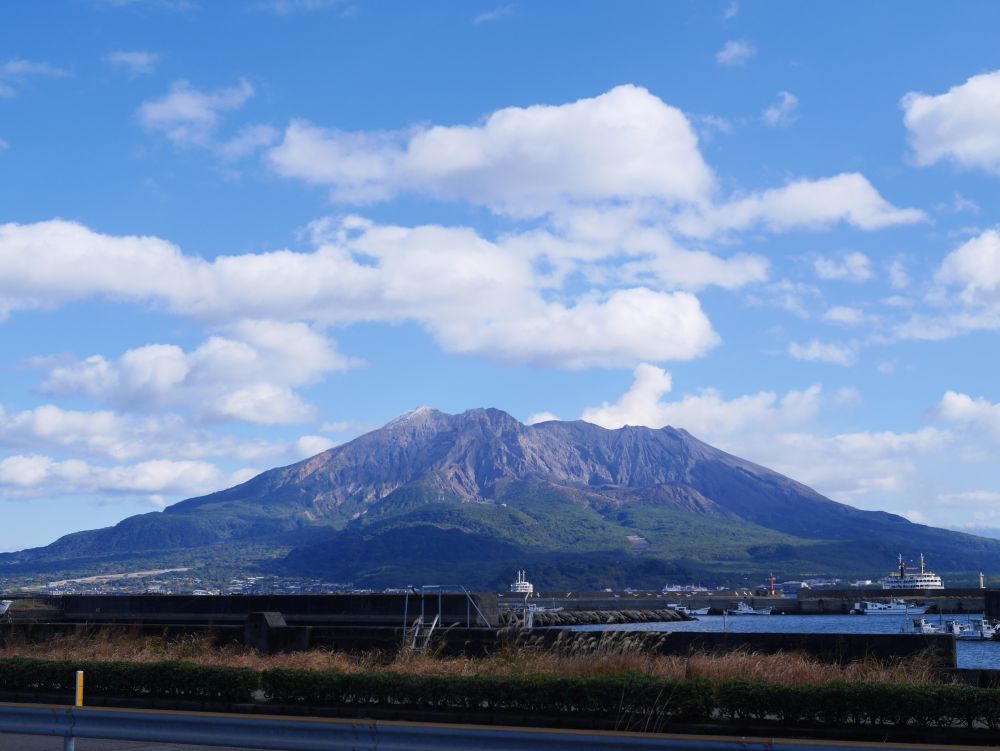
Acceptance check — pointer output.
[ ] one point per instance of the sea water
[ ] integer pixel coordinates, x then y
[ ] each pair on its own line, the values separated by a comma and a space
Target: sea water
971, 654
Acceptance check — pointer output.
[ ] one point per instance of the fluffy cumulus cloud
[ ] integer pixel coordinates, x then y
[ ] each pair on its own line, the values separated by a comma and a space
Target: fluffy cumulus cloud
865, 468
975, 268
525, 161
706, 414
35, 475
474, 296
247, 376
967, 293
803, 204
538, 417
187, 115
961, 126
105, 435
977, 413
779, 431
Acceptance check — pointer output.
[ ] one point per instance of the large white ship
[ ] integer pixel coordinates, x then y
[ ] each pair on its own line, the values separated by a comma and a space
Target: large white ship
521, 585
911, 578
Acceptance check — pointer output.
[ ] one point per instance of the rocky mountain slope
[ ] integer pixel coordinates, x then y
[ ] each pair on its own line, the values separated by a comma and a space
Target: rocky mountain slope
432, 496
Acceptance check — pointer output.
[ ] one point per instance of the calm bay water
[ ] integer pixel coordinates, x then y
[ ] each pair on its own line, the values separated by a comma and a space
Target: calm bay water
971, 654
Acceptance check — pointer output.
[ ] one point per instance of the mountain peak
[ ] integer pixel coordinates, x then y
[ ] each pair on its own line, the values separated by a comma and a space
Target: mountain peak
454, 490
413, 415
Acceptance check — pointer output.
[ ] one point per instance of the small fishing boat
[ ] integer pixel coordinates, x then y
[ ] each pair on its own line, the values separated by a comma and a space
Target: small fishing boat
924, 626
957, 628
743, 609
979, 629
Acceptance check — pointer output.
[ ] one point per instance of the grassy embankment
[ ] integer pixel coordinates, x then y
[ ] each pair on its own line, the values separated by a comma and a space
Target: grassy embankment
615, 658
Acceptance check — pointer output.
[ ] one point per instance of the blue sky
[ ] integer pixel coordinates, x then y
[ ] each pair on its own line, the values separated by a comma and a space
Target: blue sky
235, 234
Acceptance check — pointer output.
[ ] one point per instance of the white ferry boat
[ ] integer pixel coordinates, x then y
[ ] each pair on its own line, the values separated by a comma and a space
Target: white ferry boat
911, 578
521, 585
743, 609
893, 607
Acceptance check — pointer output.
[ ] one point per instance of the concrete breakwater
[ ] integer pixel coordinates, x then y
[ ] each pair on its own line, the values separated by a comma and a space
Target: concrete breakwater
609, 617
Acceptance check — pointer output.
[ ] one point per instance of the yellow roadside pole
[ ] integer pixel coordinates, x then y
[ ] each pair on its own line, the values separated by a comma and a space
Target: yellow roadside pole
69, 742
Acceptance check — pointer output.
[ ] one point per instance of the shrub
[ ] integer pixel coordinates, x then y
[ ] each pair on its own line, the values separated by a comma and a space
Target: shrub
124, 679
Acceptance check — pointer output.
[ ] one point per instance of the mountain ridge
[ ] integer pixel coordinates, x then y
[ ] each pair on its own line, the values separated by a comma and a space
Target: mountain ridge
427, 488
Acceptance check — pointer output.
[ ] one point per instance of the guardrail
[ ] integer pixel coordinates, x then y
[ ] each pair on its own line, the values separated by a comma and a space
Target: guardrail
313, 734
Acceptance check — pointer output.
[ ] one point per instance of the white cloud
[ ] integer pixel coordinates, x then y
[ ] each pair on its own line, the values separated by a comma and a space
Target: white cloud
4, 145
731, 10
974, 266
188, 116
106, 435
541, 417
495, 14
735, 53
845, 315
33, 475
169, 5
803, 204
473, 296
706, 414
16, 72
960, 204
711, 125
782, 112
795, 297
967, 296
961, 126
853, 267
526, 161
248, 377
288, 7
898, 276
774, 431
136, 62
817, 351
310, 445
978, 413
853, 466
986, 498
249, 140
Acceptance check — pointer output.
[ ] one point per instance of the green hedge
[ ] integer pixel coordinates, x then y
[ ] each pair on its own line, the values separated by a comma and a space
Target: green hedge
179, 680
833, 704
838, 704
623, 698
622, 694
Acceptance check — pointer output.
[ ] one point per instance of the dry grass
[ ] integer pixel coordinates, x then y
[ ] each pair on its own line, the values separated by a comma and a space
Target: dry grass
609, 659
